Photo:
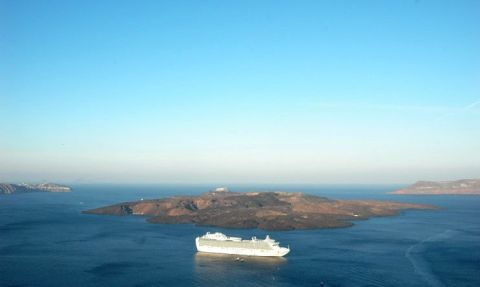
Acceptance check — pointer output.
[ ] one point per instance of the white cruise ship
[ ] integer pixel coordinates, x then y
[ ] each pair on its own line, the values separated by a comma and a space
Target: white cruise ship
220, 243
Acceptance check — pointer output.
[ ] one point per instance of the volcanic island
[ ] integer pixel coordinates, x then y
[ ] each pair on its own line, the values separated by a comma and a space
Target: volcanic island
13, 188
456, 187
263, 210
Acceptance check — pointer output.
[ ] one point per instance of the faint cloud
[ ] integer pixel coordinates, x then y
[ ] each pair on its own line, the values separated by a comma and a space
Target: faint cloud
403, 108
440, 111
473, 106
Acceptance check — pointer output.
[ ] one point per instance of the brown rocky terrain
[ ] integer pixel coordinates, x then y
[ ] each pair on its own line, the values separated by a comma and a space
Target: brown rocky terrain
264, 210
463, 186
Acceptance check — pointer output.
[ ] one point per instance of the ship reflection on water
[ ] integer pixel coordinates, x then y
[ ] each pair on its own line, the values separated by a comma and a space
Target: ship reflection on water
219, 269
207, 258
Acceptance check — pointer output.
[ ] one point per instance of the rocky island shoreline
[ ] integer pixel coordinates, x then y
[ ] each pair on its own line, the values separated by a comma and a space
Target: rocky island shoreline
456, 187
11, 188
263, 210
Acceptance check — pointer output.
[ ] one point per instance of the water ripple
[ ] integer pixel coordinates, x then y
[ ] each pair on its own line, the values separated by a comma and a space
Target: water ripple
421, 267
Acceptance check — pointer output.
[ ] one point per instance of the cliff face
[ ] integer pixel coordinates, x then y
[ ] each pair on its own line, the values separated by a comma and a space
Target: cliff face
8, 188
264, 210
463, 186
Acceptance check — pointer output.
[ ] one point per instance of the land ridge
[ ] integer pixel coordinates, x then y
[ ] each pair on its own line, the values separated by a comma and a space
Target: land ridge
263, 210
455, 187
12, 188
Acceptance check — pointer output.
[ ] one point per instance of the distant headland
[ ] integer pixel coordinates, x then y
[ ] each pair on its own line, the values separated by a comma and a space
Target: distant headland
11, 188
457, 187
263, 210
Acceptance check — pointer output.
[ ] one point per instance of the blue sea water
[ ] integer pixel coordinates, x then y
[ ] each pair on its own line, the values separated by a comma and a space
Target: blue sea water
46, 241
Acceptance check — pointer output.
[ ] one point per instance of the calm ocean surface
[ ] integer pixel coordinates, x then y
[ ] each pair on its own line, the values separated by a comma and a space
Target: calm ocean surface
46, 241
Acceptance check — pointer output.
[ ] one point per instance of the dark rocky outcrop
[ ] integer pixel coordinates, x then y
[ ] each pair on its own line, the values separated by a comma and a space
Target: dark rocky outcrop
264, 210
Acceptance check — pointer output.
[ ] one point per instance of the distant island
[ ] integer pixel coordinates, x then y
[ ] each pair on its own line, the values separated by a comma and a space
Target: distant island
263, 210
10, 188
457, 187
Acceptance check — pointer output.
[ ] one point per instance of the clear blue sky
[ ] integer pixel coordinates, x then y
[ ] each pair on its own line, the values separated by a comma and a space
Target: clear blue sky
239, 91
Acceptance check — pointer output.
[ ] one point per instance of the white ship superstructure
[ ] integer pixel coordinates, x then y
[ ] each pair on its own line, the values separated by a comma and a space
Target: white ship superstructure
220, 243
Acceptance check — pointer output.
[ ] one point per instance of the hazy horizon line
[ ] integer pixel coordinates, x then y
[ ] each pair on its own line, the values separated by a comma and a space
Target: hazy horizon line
223, 184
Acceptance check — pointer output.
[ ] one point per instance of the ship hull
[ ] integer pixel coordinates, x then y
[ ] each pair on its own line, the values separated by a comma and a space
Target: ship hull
241, 251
